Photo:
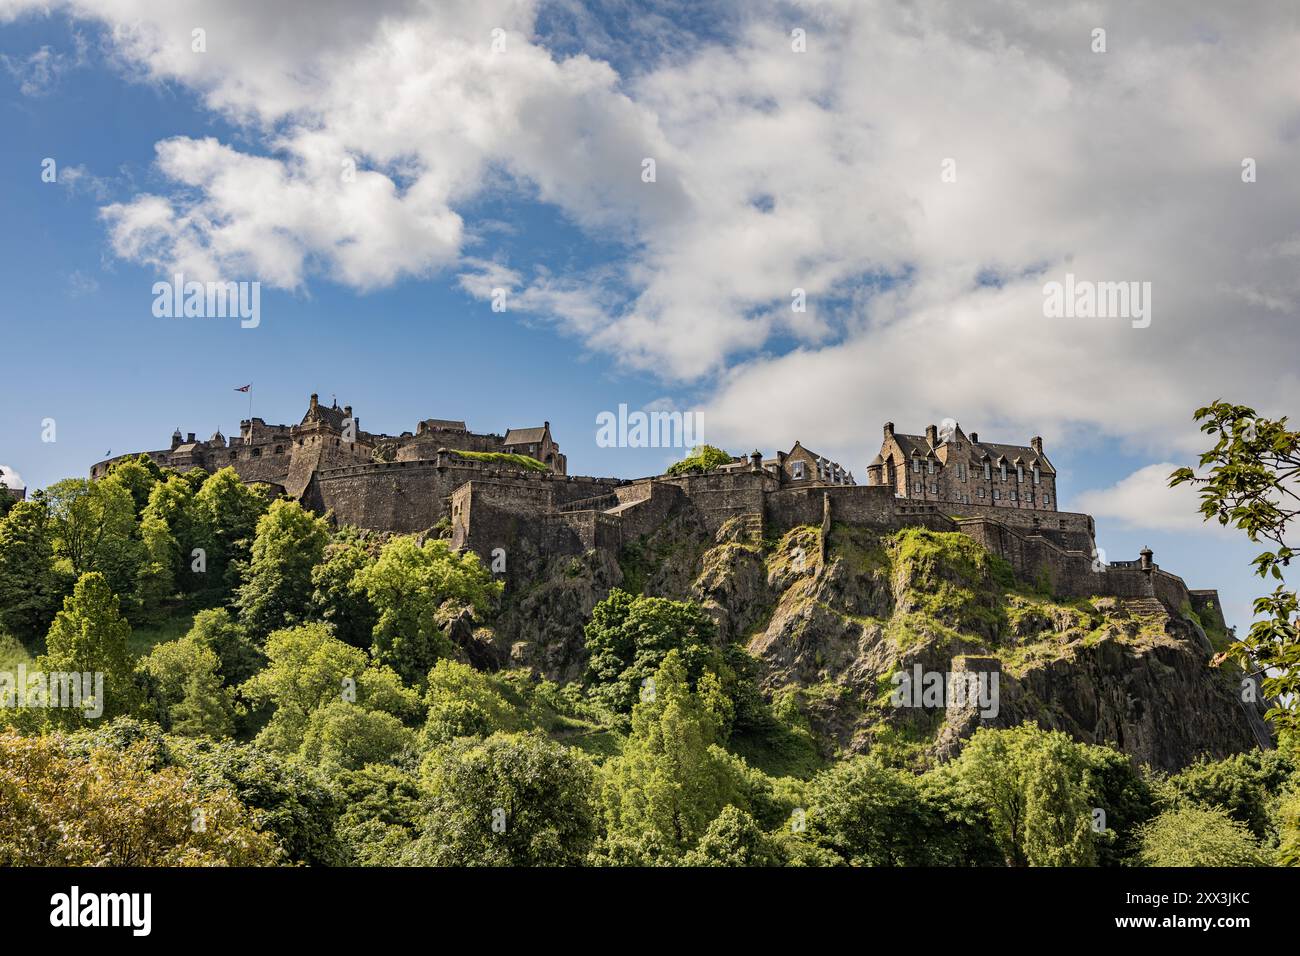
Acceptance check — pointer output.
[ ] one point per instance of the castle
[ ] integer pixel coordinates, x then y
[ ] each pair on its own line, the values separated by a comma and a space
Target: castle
475, 484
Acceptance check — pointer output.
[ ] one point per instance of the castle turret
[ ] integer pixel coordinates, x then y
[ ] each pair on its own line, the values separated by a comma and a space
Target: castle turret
755, 461
876, 471
176, 438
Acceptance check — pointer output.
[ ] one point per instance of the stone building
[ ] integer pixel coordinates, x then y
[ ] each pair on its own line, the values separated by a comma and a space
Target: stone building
330, 437
950, 467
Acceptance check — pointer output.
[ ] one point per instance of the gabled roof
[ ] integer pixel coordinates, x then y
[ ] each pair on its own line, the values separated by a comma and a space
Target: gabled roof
334, 417
919, 445
525, 436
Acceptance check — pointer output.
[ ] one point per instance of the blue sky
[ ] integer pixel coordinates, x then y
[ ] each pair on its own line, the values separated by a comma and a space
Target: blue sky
776, 169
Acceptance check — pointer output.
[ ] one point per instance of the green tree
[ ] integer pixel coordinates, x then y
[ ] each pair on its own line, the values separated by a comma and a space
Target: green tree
90, 636
1251, 484
1245, 785
383, 815
185, 685
138, 475
229, 511
407, 585
629, 636
277, 588
240, 658
702, 458
308, 668
1037, 791
116, 808
176, 535
869, 814
94, 529
1198, 836
735, 839
671, 779
509, 800
30, 588
288, 800
337, 597
344, 736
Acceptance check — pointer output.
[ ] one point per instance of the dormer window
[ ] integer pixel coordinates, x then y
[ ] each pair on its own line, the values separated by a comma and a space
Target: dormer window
1002, 469
988, 473
916, 462
1035, 474
929, 465
796, 471
1020, 473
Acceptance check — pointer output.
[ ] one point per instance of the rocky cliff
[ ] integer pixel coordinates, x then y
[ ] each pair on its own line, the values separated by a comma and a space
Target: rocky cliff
831, 617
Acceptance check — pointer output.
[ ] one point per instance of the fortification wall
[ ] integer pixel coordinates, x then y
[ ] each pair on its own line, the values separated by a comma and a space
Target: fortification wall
409, 497
722, 495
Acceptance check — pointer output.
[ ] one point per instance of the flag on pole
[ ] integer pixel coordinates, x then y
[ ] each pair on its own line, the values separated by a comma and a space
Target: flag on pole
245, 388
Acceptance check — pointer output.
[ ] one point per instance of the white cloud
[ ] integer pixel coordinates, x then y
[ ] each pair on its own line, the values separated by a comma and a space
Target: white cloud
1144, 501
11, 478
779, 170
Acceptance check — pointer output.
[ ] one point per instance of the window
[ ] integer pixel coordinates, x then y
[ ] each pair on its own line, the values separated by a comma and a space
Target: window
1035, 474
988, 474
1020, 473
917, 488
796, 471
1047, 499
257, 453
934, 487
234, 455
961, 472
997, 495
929, 465
279, 449
1029, 496
1002, 470
1013, 496
981, 492
916, 463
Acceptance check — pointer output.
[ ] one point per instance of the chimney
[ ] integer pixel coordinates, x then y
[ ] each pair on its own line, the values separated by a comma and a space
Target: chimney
889, 430
974, 438
190, 438
545, 424
932, 435
347, 410
315, 400
1036, 443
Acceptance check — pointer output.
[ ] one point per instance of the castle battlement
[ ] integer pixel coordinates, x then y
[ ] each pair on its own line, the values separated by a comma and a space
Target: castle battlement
1002, 495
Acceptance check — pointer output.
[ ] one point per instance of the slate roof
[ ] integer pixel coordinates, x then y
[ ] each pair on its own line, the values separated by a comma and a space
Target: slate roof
444, 424
525, 436
995, 450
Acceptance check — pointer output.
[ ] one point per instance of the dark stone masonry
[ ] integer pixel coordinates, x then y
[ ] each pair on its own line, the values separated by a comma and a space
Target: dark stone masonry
1002, 495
